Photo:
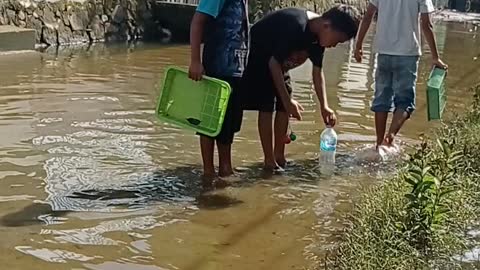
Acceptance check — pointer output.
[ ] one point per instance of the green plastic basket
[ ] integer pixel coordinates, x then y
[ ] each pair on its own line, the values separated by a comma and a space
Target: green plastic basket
436, 94
198, 106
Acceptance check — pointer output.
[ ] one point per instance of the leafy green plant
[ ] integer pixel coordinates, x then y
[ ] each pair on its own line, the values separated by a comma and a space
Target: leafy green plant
428, 176
418, 218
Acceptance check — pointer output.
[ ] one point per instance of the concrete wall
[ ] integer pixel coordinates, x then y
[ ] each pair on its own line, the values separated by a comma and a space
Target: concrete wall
81, 21
259, 8
59, 22
177, 17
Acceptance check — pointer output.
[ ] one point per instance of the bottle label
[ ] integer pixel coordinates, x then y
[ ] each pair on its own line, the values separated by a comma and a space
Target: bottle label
328, 145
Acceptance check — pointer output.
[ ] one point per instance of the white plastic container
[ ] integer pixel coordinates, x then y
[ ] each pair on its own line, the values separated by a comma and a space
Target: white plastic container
328, 148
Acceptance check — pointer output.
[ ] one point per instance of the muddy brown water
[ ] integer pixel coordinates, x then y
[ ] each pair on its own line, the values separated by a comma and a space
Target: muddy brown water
89, 179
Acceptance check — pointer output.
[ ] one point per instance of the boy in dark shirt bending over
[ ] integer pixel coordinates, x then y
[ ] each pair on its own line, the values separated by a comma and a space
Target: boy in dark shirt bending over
281, 41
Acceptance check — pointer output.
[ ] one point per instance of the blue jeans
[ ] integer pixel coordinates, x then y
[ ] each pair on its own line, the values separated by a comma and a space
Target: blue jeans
395, 81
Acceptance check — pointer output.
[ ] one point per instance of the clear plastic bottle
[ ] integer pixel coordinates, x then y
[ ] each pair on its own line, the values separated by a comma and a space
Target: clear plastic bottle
328, 148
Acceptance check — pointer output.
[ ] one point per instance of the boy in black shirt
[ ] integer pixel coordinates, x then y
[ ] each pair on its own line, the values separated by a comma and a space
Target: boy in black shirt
281, 41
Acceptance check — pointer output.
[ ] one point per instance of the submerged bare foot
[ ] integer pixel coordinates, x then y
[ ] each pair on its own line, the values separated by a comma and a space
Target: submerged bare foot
284, 163
273, 168
207, 180
281, 162
220, 183
388, 141
211, 182
208, 176
226, 173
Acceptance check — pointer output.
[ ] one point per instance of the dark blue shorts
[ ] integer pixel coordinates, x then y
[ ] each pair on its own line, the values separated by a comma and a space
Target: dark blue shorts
258, 90
395, 83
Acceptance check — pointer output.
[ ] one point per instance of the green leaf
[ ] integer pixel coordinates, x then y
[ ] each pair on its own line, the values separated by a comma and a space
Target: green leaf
441, 145
442, 204
442, 210
444, 147
399, 224
411, 197
446, 192
414, 169
437, 182
454, 159
426, 170
411, 180
428, 181
437, 227
427, 185
428, 178
457, 153
418, 188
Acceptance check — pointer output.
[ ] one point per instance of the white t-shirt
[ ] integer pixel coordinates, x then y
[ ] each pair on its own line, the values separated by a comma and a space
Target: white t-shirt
398, 26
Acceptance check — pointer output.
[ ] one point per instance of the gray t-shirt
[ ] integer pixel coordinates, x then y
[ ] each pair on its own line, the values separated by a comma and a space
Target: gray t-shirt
398, 26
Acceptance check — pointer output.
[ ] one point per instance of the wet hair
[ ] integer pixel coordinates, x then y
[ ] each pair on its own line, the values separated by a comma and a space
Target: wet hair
344, 18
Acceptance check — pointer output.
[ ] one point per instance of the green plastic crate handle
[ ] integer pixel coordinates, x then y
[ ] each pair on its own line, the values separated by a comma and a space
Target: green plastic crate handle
166, 112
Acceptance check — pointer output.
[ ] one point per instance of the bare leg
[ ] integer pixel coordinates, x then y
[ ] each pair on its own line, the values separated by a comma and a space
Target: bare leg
280, 128
380, 126
207, 146
265, 130
399, 118
225, 159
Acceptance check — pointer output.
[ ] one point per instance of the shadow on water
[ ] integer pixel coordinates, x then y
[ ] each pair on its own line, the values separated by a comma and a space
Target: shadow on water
32, 214
178, 185
183, 186
307, 170
98, 49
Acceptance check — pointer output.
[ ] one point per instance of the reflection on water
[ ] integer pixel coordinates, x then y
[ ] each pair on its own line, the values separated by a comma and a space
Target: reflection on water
94, 235
122, 266
91, 180
54, 256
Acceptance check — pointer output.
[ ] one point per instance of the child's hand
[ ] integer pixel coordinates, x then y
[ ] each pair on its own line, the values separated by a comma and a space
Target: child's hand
295, 109
329, 117
195, 72
439, 63
358, 55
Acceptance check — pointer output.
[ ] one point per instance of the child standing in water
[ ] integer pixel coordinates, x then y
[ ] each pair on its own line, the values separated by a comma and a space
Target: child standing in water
398, 48
283, 40
222, 25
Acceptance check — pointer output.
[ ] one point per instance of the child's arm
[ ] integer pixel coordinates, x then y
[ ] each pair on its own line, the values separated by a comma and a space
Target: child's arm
291, 106
362, 31
195, 72
319, 84
427, 29
206, 10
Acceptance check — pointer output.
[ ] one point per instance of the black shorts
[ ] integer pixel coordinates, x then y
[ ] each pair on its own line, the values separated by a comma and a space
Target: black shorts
234, 114
258, 90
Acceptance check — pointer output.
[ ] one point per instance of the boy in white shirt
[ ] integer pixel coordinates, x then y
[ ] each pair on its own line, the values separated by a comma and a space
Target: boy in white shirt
397, 43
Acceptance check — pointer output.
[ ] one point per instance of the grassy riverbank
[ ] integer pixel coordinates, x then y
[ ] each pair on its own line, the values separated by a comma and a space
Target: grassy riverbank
418, 218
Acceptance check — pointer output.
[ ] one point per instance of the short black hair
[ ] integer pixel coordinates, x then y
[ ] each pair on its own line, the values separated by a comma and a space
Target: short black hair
344, 18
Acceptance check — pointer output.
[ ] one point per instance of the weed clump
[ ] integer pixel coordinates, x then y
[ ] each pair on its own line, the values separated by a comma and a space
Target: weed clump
418, 218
